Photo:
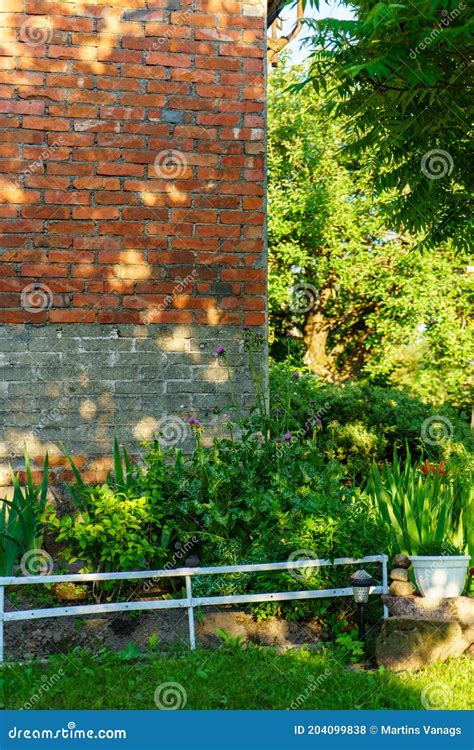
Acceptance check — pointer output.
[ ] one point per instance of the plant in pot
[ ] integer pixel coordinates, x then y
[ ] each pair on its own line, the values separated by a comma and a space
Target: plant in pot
431, 515
440, 569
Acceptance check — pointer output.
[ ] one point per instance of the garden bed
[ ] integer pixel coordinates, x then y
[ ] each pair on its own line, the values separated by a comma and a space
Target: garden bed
42, 638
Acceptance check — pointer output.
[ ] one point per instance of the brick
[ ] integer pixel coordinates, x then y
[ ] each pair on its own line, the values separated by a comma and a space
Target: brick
46, 123
169, 60
23, 108
41, 271
127, 170
21, 226
72, 316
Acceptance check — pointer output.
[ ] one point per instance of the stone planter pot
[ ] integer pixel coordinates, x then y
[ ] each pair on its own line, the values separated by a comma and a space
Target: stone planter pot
440, 576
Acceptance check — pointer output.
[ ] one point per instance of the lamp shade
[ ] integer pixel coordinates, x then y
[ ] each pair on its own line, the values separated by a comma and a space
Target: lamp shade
361, 582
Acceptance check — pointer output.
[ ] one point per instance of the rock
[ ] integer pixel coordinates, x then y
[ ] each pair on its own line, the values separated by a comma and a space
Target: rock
459, 608
70, 592
401, 588
406, 644
401, 561
399, 574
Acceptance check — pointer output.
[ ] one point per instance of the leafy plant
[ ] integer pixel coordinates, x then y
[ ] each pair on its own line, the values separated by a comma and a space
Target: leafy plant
440, 549
21, 518
349, 647
397, 74
422, 508
129, 653
118, 531
122, 479
358, 423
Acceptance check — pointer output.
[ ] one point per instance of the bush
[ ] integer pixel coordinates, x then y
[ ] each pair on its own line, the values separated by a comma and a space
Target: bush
117, 532
263, 499
360, 423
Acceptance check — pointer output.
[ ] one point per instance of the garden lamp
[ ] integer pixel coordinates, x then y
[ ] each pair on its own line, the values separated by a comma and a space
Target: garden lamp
361, 582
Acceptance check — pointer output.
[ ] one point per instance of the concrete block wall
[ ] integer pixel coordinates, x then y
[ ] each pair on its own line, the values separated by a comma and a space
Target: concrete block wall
132, 216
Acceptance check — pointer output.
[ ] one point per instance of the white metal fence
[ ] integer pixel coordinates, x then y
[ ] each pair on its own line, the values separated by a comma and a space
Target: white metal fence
189, 602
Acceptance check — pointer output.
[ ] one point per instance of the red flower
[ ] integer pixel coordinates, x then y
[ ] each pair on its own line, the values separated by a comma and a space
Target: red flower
428, 468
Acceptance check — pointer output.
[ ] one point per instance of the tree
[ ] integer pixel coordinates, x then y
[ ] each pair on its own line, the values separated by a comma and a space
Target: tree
399, 74
366, 300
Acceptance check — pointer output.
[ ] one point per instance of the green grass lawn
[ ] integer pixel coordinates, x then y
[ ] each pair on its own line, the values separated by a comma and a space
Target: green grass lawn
231, 678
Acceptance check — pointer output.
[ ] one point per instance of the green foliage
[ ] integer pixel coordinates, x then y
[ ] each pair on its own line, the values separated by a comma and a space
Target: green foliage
398, 75
361, 423
423, 509
21, 518
351, 647
122, 479
118, 531
366, 301
131, 652
440, 549
256, 500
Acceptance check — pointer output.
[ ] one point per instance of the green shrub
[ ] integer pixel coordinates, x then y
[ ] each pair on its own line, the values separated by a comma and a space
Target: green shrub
119, 531
361, 423
256, 500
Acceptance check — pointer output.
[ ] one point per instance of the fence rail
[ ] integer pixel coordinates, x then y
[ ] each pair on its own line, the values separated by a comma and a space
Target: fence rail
190, 602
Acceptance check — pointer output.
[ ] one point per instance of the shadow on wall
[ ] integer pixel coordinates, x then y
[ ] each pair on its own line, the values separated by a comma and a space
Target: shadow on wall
141, 189
76, 386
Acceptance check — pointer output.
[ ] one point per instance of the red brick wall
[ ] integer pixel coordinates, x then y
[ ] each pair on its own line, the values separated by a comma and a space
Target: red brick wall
132, 162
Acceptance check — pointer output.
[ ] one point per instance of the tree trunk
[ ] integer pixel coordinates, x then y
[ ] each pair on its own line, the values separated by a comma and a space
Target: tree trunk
315, 335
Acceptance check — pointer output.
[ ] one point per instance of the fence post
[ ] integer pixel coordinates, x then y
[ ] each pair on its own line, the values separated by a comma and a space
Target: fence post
189, 594
2, 599
385, 582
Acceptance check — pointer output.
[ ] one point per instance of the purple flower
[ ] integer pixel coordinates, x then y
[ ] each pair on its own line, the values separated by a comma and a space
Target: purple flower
191, 421
287, 436
220, 351
318, 421
278, 440
277, 411
296, 375
194, 422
